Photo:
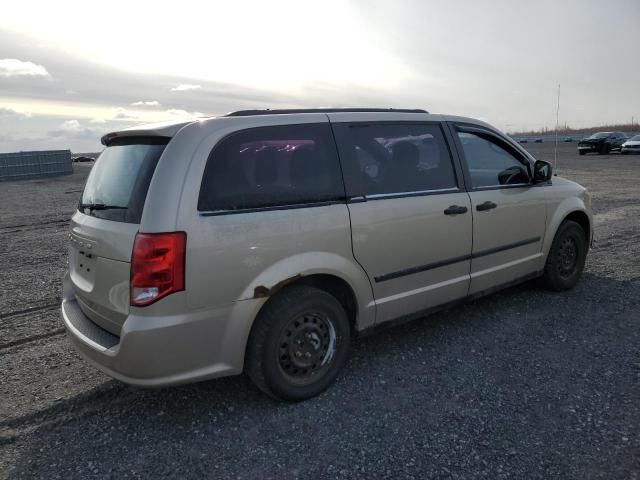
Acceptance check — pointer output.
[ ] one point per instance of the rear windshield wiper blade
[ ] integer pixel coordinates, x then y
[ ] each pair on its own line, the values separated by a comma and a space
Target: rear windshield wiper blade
100, 206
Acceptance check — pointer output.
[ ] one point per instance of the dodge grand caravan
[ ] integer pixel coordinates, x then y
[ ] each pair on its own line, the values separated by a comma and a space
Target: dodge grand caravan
262, 241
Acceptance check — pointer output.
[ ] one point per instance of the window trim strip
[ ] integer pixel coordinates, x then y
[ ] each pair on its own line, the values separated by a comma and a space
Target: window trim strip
382, 196
291, 206
451, 261
498, 187
411, 194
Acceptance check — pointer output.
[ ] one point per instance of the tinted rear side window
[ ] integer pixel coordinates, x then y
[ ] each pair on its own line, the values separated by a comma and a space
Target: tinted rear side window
118, 182
271, 167
394, 158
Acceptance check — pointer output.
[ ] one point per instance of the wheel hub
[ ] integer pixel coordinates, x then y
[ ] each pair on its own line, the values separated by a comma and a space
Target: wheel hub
307, 346
567, 256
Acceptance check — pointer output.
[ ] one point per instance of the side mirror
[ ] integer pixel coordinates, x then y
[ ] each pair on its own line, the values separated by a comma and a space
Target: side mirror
541, 171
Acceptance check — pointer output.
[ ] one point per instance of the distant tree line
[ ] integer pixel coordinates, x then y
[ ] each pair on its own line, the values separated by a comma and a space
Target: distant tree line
566, 130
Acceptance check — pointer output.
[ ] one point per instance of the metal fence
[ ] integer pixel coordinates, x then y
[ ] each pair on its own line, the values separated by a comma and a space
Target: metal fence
22, 165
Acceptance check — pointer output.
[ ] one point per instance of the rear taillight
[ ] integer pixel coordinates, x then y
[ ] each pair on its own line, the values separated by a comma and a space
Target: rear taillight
157, 266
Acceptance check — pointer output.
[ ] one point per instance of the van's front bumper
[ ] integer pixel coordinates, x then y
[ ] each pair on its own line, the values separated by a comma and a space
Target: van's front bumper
161, 351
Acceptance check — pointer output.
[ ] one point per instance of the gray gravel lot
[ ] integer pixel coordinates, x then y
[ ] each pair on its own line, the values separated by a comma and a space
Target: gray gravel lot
521, 384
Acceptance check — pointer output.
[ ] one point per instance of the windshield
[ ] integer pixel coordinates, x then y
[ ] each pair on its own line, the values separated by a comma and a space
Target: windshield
117, 185
600, 135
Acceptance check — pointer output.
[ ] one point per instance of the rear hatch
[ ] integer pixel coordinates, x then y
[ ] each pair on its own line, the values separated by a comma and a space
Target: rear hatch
104, 227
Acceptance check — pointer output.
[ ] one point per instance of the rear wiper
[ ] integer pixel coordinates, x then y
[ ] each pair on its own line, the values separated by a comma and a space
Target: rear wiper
100, 206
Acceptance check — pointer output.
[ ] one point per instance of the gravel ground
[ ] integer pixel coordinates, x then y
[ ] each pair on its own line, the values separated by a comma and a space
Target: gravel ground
521, 384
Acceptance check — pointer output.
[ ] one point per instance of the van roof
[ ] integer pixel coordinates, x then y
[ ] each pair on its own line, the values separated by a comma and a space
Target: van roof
267, 111
170, 129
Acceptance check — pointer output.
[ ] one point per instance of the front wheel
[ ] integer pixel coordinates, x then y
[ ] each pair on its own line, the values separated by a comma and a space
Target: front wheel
566, 258
298, 343
581, 152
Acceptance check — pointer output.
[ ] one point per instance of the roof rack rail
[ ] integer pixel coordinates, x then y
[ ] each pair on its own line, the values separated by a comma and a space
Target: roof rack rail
266, 111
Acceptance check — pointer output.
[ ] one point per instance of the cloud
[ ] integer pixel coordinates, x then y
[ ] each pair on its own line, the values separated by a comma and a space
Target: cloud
11, 113
122, 114
142, 103
183, 87
97, 120
71, 125
12, 67
73, 129
178, 112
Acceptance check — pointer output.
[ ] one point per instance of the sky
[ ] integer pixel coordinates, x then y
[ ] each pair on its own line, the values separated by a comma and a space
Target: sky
71, 71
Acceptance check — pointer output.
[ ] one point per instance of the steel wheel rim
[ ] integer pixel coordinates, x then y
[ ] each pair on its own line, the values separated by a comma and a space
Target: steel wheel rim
567, 257
306, 347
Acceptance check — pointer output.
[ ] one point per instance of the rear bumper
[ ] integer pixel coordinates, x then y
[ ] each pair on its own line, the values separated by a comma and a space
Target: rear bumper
161, 351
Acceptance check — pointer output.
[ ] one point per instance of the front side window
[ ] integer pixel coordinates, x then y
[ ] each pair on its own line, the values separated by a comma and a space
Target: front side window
270, 167
491, 163
395, 158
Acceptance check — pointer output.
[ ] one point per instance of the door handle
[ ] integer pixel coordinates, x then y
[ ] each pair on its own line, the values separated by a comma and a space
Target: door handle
486, 206
455, 210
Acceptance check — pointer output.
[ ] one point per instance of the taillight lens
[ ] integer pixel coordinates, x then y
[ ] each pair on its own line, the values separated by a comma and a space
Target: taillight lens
157, 266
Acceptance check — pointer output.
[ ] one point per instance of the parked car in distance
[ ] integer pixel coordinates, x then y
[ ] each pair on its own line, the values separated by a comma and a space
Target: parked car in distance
601, 143
538, 140
568, 139
83, 159
523, 140
263, 241
631, 146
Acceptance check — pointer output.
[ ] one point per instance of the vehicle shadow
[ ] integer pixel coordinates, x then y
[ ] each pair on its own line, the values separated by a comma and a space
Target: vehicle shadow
453, 392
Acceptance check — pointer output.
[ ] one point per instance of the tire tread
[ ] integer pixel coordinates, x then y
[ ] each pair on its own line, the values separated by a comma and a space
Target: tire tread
550, 277
267, 319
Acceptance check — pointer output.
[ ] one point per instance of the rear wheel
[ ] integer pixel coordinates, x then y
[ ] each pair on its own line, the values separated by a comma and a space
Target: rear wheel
566, 258
298, 344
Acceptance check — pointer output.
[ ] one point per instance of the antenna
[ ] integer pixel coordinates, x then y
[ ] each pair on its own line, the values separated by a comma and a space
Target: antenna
555, 151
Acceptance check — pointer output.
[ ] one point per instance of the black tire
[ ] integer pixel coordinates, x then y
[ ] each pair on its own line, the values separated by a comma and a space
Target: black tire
581, 152
566, 258
298, 343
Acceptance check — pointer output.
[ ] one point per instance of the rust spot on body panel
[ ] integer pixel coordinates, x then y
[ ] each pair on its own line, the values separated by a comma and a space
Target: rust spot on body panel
262, 292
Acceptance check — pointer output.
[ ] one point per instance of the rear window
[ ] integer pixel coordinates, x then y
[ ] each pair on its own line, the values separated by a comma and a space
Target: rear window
270, 167
117, 185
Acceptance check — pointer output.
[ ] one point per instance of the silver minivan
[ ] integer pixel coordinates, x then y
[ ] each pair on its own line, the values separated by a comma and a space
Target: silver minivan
263, 241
